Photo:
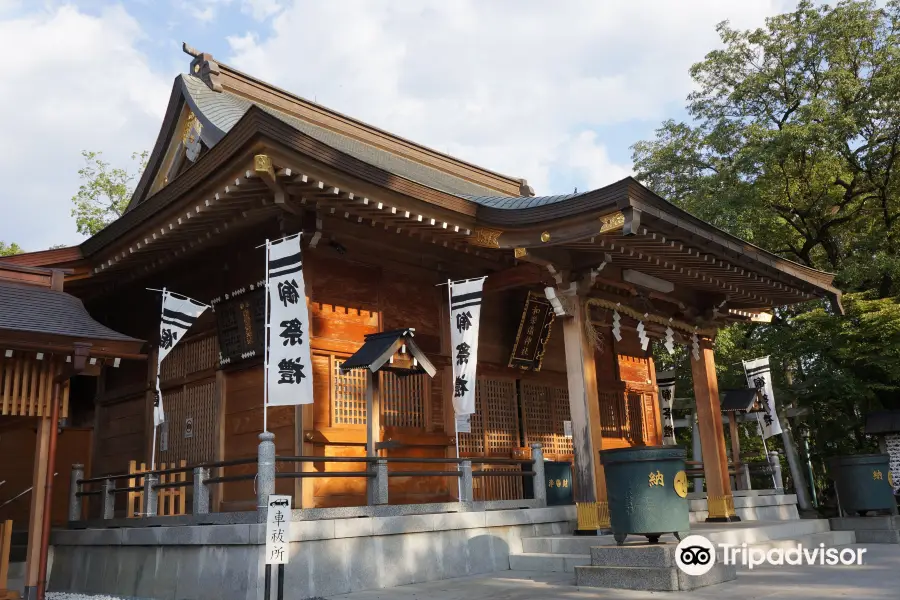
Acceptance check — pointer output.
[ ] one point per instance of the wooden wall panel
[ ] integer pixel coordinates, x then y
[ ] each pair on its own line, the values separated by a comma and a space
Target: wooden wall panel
73, 446
120, 434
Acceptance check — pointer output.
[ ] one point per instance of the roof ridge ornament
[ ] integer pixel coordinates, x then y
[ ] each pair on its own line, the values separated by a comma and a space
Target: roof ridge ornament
204, 67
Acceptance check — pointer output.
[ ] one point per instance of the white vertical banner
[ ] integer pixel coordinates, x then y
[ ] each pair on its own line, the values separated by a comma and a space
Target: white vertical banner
665, 381
465, 315
278, 530
178, 314
759, 376
288, 365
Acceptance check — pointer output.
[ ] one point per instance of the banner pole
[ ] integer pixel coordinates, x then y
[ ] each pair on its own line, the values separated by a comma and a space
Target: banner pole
266, 349
449, 285
158, 392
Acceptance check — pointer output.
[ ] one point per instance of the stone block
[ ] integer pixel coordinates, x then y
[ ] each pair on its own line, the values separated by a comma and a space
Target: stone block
468, 520
329, 566
634, 555
403, 524
225, 535
239, 569
302, 531
297, 573
718, 574
453, 544
480, 551
190, 572
362, 568
148, 564
142, 536
167, 572
537, 545
129, 567
882, 523
499, 518
360, 526
668, 579
875, 536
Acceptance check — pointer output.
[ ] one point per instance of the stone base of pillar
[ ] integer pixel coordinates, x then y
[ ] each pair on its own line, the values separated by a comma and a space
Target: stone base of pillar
721, 509
593, 517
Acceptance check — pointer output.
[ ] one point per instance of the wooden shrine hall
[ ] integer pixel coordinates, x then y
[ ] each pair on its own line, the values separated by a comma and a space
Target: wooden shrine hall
50, 347
578, 287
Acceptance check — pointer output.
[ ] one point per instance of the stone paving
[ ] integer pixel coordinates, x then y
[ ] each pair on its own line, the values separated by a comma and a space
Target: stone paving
877, 579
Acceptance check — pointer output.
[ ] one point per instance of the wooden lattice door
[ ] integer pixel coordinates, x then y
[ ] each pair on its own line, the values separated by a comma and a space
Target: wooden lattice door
545, 409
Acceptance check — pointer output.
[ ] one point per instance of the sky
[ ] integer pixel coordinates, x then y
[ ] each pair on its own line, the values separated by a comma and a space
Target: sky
555, 92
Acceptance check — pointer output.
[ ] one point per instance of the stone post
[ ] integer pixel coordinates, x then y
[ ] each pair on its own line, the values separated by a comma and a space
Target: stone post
775, 464
539, 482
265, 473
201, 491
108, 495
466, 492
377, 489
744, 475
151, 502
74, 489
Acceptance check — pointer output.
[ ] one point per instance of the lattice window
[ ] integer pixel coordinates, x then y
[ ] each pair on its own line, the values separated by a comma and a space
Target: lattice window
545, 409
348, 399
188, 357
192, 419
403, 400
499, 406
472, 443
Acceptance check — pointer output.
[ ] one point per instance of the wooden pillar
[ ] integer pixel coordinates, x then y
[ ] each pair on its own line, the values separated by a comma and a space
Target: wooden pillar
712, 435
36, 516
373, 413
584, 407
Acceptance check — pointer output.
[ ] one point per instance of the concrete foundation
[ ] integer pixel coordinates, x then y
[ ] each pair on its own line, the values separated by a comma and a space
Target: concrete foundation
331, 556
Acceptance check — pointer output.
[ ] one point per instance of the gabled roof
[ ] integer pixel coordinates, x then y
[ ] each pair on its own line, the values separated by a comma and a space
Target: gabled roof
37, 315
219, 96
377, 350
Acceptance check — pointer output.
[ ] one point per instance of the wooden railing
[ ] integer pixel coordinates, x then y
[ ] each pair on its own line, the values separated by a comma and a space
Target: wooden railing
171, 498
376, 473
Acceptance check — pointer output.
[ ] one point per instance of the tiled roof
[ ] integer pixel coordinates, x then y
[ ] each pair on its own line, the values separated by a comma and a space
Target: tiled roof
222, 110
517, 202
34, 309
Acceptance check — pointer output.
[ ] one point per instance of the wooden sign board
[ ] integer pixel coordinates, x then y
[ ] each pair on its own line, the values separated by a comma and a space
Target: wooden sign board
241, 325
533, 335
278, 530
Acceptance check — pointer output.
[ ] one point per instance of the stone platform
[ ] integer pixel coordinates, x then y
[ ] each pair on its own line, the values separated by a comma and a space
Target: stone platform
870, 530
327, 556
644, 567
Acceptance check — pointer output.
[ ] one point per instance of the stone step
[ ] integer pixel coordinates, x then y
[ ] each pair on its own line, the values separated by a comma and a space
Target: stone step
549, 563
665, 579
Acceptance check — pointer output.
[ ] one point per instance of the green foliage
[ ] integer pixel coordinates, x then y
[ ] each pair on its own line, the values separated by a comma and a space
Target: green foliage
794, 145
105, 191
10, 249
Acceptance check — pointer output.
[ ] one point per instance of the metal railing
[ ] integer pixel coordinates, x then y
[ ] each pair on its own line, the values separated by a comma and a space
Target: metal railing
376, 473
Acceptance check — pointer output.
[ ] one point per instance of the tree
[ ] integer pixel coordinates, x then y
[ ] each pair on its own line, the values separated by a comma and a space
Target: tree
794, 145
105, 191
10, 249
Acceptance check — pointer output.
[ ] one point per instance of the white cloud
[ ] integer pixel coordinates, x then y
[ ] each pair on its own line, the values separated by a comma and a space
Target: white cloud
76, 82
261, 9
517, 86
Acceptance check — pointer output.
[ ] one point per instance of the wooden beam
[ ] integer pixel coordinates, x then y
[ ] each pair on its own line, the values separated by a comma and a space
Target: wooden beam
373, 413
37, 516
525, 274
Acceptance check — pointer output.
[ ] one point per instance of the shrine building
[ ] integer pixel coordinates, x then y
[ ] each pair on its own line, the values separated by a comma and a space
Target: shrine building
578, 288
